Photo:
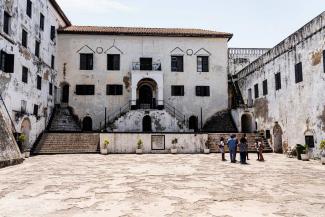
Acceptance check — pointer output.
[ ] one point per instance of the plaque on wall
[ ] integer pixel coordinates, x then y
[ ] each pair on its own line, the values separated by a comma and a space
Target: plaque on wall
158, 142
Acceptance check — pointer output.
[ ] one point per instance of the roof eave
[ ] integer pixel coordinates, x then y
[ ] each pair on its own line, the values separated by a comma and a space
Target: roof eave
61, 13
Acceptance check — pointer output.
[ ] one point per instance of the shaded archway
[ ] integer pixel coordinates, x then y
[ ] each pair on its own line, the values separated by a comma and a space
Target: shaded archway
193, 123
246, 123
147, 90
146, 124
87, 124
277, 133
25, 129
65, 93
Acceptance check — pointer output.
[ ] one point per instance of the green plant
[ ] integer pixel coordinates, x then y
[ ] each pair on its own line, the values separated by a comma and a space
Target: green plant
322, 145
174, 142
106, 143
140, 144
305, 149
22, 138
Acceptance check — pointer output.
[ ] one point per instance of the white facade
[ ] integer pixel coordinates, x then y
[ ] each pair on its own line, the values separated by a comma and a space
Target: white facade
16, 93
131, 49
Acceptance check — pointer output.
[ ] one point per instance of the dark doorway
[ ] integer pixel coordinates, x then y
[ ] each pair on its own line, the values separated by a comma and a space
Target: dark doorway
193, 123
87, 124
246, 123
145, 96
277, 133
146, 64
65, 93
146, 124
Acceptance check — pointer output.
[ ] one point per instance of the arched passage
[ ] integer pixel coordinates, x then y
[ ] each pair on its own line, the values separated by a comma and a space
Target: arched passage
277, 133
87, 124
193, 123
146, 124
246, 123
25, 129
147, 91
65, 93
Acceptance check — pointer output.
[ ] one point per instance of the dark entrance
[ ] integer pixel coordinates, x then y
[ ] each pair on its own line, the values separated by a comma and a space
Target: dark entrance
146, 124
246, 123
87, 124
193, 123
145, 96
65, 93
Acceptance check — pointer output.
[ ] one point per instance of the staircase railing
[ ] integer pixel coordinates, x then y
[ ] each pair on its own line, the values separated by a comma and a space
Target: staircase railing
239, 96
175, 113
111, 117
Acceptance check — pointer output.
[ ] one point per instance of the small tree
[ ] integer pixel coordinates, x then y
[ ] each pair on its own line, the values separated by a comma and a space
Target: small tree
106, 143
174, 142
322, 147
22, 138
140, 144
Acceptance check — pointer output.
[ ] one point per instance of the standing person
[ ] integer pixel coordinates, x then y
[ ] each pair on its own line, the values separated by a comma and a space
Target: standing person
243, 149
246, 146
222, 148
260, 150
257, 148
232, 144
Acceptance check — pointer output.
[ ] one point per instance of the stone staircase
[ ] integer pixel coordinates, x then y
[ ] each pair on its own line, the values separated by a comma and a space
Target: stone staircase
68, 143
64, 121
221, 122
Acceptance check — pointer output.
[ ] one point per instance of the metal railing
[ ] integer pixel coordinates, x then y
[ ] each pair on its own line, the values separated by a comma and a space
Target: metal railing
174, 112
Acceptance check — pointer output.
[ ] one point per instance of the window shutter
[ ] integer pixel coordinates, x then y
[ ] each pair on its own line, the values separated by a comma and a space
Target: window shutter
198, 91
116, 62
205, 64
208, 91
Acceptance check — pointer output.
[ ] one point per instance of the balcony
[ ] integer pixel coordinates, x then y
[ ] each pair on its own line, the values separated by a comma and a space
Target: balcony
140, 66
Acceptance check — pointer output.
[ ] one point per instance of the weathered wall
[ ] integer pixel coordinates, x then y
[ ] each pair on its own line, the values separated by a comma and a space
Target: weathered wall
131, 48
298, 107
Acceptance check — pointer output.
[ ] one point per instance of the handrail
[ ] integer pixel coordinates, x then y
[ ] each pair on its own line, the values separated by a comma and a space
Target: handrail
12, 123
117, 113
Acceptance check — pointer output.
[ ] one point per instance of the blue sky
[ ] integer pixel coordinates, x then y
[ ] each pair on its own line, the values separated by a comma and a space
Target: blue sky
254, 23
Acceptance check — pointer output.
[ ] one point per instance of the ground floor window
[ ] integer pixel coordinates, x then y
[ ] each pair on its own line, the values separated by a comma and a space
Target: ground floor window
114, 89
310, 142
85, 90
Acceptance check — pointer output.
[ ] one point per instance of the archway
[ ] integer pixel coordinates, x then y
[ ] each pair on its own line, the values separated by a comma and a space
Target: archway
277, 133
65, 93
246, 123
146, 124
87, 124
25, 129
193, 123
147, 90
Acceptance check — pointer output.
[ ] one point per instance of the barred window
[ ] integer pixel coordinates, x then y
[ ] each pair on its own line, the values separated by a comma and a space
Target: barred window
177, 63
265, 89
177, 90
203, 64
298, 72
24, 77
86, 61
202, 91
85, 90
278, 81
114, 89
256, 91
113, 62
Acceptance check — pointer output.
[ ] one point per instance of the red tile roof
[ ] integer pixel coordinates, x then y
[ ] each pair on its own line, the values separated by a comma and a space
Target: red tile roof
135, 31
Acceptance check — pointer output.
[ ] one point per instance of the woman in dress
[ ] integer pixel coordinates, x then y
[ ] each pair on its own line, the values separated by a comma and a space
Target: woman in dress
222, 148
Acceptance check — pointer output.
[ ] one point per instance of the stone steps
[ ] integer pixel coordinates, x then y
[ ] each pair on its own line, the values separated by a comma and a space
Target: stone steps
221, 122
68, 143
64, 121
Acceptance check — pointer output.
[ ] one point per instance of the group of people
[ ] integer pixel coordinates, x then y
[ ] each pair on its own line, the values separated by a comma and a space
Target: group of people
233, 144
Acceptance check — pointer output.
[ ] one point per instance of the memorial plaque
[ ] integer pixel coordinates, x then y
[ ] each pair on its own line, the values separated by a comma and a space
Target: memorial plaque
158, 142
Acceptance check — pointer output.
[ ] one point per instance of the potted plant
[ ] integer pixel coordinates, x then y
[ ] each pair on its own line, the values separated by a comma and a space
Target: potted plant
139, 147
173, 150
22, 139
322, 147
304, 154
104, 149
207, 146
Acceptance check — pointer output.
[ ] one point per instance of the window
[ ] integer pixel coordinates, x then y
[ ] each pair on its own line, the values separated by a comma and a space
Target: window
24, 77
53, 62
202, 91
7, 62
86, 61
35, 111
53, 33
114, 89
324, 60
310, 141
37, 48
256, 91
41, 22
177, 63
85, 90
146, 64
29, 8
298, 72
39, 82
113, 62
278, 81
178, 90
6, 23
23, 105
203, 64
265, 90
50, 88
24, 38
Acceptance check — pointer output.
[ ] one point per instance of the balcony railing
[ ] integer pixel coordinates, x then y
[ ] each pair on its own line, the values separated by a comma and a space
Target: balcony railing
137, 66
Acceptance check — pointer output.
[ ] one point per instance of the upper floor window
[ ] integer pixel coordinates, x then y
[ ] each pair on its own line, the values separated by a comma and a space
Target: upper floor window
177, 63
41, 22
146, 64
114, 89
6, 23
53, 33
278, 81
50, 89
256, 91
39, 82
86, 61
113, 62
178, 90
265, 90
7, 62
52, 62
85, 90
37, 48
298, 72
35, 112
202, 91
24, 38
203, 64
29, 8
24, 77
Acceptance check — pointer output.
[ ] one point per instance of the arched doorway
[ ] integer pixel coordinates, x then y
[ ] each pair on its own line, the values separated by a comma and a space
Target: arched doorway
87, 124
65, 93
193, 123
277, 133
147, 90
246, 123
146, 124
25, 129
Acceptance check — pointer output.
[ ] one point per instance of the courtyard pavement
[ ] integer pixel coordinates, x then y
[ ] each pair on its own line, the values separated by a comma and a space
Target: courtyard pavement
161, 185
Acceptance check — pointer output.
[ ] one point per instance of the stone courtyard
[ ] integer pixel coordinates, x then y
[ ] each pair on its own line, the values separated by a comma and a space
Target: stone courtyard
161, 185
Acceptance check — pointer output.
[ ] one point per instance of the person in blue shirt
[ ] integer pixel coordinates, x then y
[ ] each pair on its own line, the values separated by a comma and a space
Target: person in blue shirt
232, 144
